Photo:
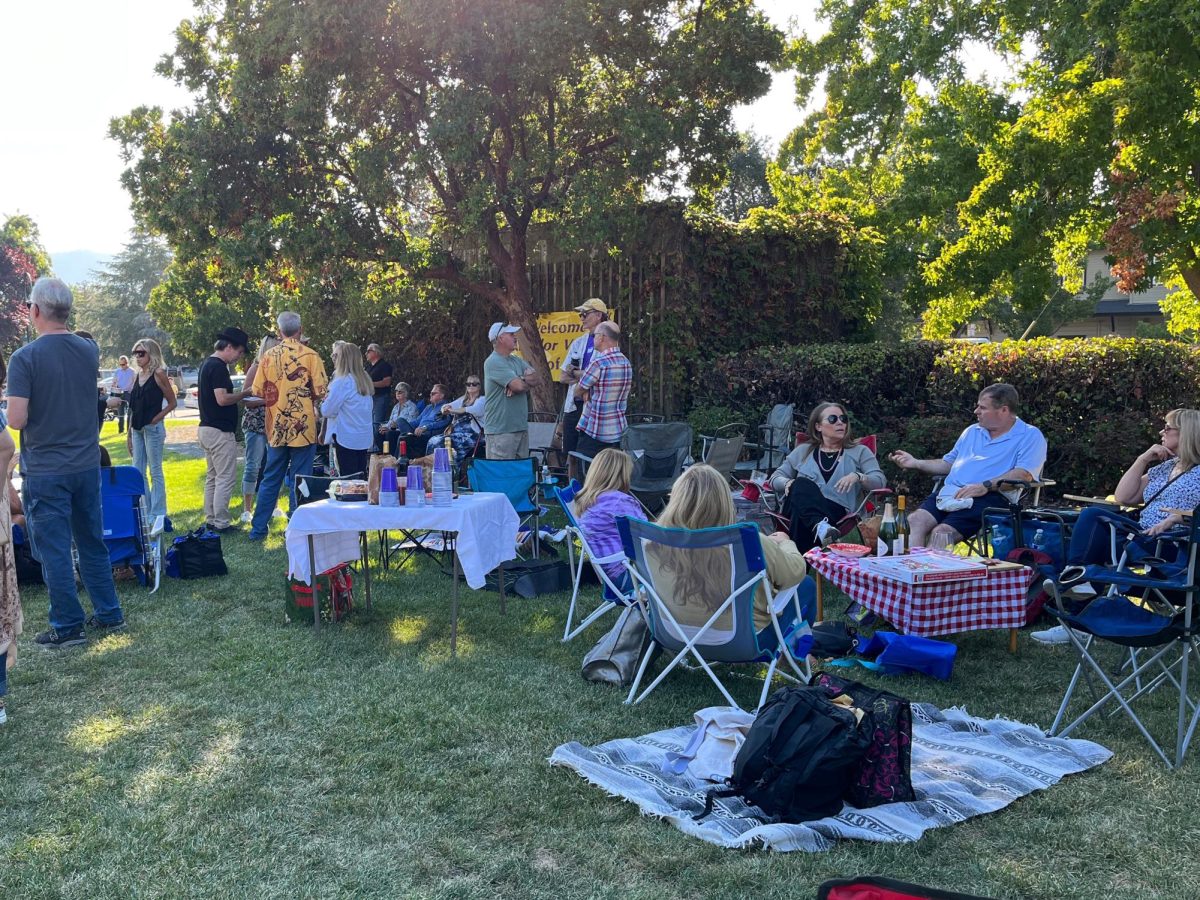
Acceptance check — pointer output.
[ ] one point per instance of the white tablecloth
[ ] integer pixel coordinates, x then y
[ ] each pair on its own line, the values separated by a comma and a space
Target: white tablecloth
486, 525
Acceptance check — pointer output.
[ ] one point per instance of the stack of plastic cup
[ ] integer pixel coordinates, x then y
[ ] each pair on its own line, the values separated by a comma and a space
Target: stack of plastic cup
414, 490
443, 481
389, 490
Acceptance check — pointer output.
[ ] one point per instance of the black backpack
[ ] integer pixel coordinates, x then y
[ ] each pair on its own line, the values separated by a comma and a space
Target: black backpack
799, 757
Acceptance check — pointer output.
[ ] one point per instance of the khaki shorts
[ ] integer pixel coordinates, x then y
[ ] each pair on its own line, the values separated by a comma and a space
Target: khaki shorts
512, 445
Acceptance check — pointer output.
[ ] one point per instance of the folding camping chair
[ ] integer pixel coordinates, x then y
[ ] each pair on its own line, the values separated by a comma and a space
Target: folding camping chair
543, 438
659, 453
723, 449
719, 617
1147, 607
132, 539
775, 437
613, 596
517, 480
848, 522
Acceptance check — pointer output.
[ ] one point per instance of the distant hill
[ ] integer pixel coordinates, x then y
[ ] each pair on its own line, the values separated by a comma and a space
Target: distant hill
78, 265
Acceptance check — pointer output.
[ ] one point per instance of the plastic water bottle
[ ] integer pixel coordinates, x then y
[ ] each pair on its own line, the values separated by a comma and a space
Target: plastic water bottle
545, 474
1039, 541
443, 480
1000, 543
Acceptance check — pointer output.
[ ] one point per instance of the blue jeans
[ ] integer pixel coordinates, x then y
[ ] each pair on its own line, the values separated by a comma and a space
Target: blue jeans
1091, 539
281, 461
256, 454
57, 509
3, 673
148, 444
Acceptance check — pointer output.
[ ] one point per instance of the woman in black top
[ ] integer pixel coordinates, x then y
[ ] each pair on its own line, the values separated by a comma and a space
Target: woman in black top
152, 397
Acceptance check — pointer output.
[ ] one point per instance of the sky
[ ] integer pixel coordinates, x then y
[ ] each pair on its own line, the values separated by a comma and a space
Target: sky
69, 67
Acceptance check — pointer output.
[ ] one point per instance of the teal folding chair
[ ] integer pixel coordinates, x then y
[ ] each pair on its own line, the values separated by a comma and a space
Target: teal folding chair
719, 612
614, 594
517, 480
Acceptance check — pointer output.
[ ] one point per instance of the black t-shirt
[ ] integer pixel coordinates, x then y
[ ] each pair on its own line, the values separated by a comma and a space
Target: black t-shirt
215, 374
382, 369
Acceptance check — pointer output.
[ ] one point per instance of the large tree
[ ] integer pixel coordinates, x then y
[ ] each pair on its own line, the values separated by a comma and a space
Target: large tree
114, 307
329, 140
1095, 140
22, 261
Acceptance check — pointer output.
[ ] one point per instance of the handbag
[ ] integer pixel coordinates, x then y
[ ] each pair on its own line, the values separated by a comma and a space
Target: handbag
616, 657
196, 554
884, 774
337, 596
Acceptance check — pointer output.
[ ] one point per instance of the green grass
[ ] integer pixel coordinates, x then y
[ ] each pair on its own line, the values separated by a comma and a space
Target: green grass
212, 751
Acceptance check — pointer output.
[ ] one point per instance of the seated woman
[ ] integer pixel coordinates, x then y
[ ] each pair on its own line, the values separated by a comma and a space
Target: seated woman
1165, 476
825, 479
701, 499
404, 413
466, 414
605, 495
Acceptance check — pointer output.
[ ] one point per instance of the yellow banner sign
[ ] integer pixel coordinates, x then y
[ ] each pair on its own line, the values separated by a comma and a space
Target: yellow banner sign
558, 330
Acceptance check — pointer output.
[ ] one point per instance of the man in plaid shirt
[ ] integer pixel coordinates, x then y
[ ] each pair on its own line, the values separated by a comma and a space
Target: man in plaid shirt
605, 385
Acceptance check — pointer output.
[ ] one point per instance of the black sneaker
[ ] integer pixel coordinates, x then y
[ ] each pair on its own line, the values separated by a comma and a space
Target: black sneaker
54, 640
232, 526
106, 627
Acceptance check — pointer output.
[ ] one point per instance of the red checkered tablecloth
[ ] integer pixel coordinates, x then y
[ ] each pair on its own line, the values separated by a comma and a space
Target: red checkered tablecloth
926, 610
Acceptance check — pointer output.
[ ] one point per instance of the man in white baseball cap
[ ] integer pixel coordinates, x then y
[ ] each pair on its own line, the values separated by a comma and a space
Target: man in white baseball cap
506, 383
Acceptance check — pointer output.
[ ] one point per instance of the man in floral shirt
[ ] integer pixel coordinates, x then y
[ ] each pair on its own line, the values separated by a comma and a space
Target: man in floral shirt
605, 385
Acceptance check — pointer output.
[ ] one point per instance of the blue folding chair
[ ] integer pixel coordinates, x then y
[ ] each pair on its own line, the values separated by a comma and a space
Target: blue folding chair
132, 539
517, 480
718, 612
613, 595
1146, 606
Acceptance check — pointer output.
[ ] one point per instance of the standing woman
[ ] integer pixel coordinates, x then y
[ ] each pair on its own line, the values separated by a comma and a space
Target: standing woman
347, 407
150, 399
827, 478
10, 598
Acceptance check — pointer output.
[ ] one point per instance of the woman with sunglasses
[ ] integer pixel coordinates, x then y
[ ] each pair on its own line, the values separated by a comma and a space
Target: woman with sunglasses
467, 413
826, 478
150, 399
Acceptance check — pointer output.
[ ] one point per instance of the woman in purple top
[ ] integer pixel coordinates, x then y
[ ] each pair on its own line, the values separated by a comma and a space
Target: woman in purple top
605, 495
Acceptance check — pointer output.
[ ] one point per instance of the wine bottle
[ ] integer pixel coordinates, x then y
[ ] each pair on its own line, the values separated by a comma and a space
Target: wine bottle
402, 461
885, 544
387, 451
902, 530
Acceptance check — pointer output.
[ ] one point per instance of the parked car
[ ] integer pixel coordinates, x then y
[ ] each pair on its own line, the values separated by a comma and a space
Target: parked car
191, 397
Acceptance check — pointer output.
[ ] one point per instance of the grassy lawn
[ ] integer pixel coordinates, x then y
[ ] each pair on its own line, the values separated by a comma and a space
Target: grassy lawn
212, 751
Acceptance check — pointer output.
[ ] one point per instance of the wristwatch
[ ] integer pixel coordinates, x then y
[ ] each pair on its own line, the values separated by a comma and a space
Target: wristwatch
988, 484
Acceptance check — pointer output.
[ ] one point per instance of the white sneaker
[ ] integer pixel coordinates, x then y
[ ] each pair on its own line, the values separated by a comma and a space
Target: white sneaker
279, 513
3, 714
1055, 636
246, 517
825, 533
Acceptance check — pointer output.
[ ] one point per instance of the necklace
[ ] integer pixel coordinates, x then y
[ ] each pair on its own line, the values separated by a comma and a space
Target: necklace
821, 460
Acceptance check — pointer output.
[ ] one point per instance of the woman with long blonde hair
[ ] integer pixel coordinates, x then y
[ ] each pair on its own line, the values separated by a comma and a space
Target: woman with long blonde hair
150, 399
604, 496
1163, 477
348, 407
700, 580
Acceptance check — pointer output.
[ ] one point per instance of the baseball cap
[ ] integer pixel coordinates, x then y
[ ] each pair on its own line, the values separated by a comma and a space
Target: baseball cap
595, 303
499, 328
235, 336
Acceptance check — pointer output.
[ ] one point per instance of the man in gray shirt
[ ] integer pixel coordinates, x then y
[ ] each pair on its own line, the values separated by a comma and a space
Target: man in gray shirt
506, 383
51, 401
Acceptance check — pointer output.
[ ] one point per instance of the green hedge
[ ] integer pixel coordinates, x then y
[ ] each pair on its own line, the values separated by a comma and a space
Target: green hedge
1099, 402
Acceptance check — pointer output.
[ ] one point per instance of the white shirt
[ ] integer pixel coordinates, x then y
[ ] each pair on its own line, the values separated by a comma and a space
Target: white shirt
475, 409
574, 357
349, 414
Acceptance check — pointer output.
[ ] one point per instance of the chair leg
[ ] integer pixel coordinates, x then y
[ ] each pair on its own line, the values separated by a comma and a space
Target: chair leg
762, 697
641, 671
575, 590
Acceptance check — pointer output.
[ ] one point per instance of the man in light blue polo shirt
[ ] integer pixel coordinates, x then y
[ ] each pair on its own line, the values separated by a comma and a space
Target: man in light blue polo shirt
999, 447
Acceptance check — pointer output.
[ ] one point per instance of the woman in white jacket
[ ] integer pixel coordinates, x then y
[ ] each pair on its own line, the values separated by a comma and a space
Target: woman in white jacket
348, 406
467, 411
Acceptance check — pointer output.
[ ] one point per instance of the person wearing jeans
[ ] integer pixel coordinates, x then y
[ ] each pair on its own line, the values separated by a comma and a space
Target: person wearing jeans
50, 389
151, 397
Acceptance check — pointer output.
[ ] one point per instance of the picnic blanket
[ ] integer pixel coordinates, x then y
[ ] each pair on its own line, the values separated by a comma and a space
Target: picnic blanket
961, 767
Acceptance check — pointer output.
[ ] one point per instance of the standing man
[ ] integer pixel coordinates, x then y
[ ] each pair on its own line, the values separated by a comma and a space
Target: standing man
218, 424
379, 370
605, 385
122, 384
50, 401
579, 356
999, 447
507, 380
291, 379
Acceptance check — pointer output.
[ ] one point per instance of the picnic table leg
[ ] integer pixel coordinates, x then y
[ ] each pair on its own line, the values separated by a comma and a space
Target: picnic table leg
454, 604
500, 583
820, 595
366, 556
316, 592
1012, 641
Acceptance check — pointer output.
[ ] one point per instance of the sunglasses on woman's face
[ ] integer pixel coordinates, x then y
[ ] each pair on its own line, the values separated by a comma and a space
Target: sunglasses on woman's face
833, 419
472, 384
140, 353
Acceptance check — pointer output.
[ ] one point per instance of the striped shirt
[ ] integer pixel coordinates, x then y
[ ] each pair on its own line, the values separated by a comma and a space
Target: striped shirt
608, 379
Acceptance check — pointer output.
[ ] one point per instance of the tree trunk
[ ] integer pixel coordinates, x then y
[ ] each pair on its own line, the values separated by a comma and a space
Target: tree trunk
1191, 277
517, 305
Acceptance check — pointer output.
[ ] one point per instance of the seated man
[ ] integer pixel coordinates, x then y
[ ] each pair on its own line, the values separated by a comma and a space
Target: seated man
1000, 447
432, 421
